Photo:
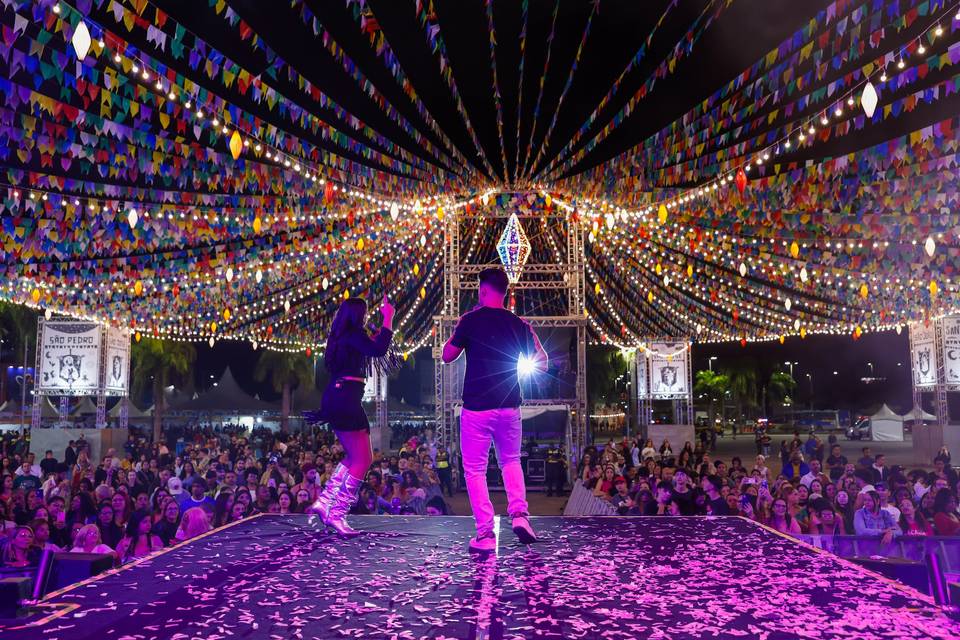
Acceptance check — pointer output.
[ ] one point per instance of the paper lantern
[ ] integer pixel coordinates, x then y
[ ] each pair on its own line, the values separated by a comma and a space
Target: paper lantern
743, 342
782, 339
47, 314
211, 342
394, 211
794, 249
308, 352
803, 332
439, 213
286, 306
796, 324
662, 214
596, 288
659, 269
258, 276
213, 326
346, 294
513, 247
226, 315
423, 292
650, 297
787, 304
868, 99
35, 295
325, 283
548, 200
743, 270
81, 40
864, 291
930, 246
360, 244
229, 274
689, 270
416, 269
176, 291
803, 274
257, 225
254, 345
132, 218
236, 145
137, 336
933, 288
138, 287
740, 180
899, 329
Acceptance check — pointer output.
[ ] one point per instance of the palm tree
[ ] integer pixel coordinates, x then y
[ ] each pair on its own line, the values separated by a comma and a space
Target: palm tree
781, 385
713, 385
166, 362
287, 371
18, 328
743, 385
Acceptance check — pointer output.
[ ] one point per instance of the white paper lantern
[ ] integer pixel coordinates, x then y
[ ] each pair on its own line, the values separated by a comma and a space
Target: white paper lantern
211, 342
394, 211
868, 99
743, 270
132, 218
803, 274
787, 304
286, 306
325, 283
229, 274
930, 246
81, 40
258, 276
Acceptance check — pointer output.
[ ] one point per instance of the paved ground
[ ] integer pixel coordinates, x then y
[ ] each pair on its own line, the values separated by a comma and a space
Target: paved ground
540, 505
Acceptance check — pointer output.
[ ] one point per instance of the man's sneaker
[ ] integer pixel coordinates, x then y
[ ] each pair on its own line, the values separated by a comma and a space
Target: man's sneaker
484, 543
521, 527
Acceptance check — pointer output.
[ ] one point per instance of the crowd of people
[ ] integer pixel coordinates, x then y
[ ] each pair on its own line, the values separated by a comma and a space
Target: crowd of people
812, 494
144, 497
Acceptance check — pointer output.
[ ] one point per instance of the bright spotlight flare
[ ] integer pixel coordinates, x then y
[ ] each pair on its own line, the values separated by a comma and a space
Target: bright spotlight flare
526, 367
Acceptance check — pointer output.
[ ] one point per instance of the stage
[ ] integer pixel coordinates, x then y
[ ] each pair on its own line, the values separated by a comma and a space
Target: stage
274, 576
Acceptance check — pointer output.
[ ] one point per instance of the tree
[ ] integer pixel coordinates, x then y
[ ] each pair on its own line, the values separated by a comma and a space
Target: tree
714, 385
743, 385
605, 365
781, 386
287, 371
18, 328
166, 363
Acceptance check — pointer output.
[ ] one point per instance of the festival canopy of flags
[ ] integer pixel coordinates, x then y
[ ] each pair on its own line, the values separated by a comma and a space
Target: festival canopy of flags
227, 170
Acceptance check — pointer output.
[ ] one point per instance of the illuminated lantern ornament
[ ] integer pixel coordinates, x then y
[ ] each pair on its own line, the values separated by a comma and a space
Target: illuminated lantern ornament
258, 276
257, 225
138, 287
236, 145
423, 292
782, 339
346, 294
857, 332
325, 283
513, 248
736, 315
35, 295
899, 329
423, 240
659, 269
406, 356
743, 342
286, 306
740, 180
662, 214
81, 40
226, 315
610, 220
596, 288
254, 345
485, 199
47, 314
933, 288
548, 200
229, 274
211, 342
743, 270
416, 269
213, 326
137, 336
796, 324
308, 352
439, 213
794, 249
328, 192
930, 246
864, 291
803, 332
132, 218
176, 291
650, 297
868, 99
394, 211
360, 244
803, 274
689, 270
787, 304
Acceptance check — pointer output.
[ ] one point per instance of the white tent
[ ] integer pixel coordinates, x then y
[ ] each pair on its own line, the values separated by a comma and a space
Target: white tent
886, 426
919, 415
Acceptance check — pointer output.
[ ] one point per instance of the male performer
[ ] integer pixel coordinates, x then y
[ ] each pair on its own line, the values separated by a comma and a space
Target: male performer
555, 464
496, 341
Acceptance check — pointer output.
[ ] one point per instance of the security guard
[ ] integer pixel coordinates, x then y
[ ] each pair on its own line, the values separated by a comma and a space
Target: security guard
555, 469
444, 472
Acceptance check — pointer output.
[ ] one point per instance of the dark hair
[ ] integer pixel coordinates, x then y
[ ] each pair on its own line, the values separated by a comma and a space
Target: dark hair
220, 513
437, 503
133, 530
941, 499
714, 481
496, 278
349, 318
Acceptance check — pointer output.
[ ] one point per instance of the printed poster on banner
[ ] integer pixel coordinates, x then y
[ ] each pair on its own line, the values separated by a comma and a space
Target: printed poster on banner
668, 369
923, 359
642, 391
69, 358
116, 376
951, 350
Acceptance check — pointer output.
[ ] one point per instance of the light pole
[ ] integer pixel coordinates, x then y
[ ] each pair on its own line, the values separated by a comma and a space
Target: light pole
791, 364
870, 364
710, 362
810, 380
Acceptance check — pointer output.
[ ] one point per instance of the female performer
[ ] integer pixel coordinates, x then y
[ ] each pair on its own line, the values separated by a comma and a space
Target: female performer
347, 358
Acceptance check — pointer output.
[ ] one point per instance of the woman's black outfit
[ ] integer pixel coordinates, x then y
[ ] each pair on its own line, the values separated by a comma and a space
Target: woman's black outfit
165, 530
341, 408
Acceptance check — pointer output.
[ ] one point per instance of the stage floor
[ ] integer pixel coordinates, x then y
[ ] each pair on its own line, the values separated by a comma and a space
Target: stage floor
410, 577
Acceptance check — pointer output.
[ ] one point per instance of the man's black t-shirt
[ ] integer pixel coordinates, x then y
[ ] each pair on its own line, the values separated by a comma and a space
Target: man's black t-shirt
494, 339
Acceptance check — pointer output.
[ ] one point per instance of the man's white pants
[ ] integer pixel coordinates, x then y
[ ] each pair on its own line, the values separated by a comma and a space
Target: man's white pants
504, 428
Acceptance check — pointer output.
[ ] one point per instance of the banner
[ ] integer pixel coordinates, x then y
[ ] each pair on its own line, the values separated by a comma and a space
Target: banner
668, 370
922, 359
951, 350
116, 375
642, 391
69, 358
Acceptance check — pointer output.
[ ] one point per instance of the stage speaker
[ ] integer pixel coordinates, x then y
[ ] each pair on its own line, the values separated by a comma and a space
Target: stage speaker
912, 574
70, 568
12, 592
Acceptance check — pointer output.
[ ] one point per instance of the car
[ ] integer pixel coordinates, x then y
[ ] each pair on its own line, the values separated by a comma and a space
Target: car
860, 430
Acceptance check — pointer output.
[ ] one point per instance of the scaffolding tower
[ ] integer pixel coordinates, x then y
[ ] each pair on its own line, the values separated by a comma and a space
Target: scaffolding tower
565, 276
